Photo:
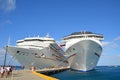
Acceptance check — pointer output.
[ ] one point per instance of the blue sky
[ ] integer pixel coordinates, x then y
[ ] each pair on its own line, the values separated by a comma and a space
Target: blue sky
23, 18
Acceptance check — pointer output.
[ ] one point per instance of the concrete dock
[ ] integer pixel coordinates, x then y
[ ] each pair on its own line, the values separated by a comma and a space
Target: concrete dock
27, 75
33, 75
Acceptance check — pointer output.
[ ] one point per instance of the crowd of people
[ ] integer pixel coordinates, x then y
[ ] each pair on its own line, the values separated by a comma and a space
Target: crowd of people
5, 71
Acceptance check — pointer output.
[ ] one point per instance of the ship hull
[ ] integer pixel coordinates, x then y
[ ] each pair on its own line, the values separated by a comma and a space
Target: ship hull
86, 55
40, 58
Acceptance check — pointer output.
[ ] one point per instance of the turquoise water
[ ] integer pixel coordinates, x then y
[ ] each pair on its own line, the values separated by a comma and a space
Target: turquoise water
100, 73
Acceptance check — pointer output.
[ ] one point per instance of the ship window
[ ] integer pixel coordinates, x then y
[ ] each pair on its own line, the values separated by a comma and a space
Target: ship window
18, 51
36, 54
73, 48
42, 55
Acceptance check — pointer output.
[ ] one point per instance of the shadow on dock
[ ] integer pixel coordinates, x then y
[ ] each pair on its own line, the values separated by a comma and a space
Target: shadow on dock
50, 71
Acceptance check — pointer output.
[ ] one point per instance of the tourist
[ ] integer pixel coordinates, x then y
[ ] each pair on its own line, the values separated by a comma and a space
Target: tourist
1, 71
5, 71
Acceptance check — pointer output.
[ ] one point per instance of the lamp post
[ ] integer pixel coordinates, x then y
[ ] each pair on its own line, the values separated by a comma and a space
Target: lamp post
5, 56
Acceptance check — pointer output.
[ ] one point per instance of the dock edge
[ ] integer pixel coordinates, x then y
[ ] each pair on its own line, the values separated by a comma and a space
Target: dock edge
44, 76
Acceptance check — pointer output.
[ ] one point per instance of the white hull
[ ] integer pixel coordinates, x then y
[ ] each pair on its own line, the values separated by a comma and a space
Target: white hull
87, 53
41, 58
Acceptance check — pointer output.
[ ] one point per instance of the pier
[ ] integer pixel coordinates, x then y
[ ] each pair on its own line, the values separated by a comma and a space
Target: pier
52, 70
27, 75
34, 74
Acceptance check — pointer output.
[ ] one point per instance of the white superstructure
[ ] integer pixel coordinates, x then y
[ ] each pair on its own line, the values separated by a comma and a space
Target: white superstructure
40, 52
83, 50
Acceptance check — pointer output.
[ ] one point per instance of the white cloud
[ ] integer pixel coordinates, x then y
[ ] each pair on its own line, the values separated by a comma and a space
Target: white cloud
117, 39
109, 59
110, 55
7, 5
112, 43
105, 43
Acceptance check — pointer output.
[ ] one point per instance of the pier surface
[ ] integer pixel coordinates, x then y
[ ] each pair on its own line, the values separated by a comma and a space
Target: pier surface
27, 75
34, 74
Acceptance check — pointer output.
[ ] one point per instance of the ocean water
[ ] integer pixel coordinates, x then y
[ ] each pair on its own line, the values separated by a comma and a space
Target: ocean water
100, 73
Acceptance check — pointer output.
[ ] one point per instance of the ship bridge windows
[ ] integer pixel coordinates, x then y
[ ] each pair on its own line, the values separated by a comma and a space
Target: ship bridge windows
82, 32
20, 42
26, 40
84, 36
74, 37
33, 40
97, 36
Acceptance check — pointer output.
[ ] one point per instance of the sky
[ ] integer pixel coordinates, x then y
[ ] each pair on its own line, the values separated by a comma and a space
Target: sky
23, 18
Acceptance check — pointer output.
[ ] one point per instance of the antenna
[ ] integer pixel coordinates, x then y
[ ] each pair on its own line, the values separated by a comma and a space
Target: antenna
47, 35
8, 41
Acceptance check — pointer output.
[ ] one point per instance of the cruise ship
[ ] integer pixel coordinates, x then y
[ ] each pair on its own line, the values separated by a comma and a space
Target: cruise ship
83, 50
40, 52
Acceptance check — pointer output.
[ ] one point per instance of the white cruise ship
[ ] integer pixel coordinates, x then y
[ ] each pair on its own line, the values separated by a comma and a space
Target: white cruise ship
83, 50
40, 52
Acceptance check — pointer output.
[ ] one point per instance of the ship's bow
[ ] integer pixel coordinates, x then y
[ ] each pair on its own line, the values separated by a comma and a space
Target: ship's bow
87, 55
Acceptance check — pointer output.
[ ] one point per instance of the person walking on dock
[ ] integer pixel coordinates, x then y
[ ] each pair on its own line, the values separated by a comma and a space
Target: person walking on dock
1, 71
